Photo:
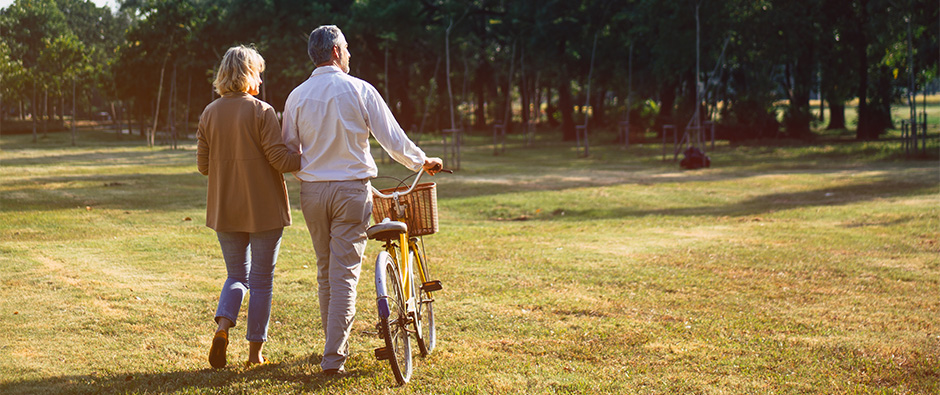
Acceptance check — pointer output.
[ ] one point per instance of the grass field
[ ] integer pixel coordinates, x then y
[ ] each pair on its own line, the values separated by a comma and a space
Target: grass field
782, 269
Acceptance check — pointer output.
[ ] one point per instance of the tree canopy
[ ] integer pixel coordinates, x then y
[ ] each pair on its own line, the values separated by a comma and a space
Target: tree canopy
760, 61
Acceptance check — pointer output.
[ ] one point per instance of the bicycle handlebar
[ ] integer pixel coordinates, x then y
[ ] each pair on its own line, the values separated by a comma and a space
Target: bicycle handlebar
396, 194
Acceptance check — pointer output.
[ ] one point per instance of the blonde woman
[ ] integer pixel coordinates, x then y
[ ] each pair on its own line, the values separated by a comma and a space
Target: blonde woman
241, 150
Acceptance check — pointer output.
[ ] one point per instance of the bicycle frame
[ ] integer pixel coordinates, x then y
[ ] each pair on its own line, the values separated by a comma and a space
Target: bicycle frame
408, 311
405, 267
407, 243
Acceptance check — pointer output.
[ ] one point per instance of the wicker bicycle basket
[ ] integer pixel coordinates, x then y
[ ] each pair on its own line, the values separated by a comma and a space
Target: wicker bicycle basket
420, 208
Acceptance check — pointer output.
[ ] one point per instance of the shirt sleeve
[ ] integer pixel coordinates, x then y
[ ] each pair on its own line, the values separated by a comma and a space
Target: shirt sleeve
389, 133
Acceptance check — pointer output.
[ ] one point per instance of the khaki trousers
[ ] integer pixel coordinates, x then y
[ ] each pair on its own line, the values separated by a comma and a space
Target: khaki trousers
337, 216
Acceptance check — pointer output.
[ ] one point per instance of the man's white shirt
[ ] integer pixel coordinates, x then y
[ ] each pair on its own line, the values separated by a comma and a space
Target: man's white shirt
329, 118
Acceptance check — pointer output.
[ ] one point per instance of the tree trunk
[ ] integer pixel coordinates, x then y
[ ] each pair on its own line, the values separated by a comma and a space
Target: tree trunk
507, 114
836, 115
464, 98
550, 109
493, 101
116, 121
450, 91
882, 99
598, 113
388, 82
536, 102
524, 99
171, 109
427, 102
822, 108
73, 111
141, 119
798, 125
156, 113
439, 104
45, 113
32, 109
189, 98
479, 91
566, 107
407, 112
523, 88
865, 126
666, 109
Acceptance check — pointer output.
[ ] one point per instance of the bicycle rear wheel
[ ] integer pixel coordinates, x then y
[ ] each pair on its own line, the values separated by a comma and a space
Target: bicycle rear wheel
393, 324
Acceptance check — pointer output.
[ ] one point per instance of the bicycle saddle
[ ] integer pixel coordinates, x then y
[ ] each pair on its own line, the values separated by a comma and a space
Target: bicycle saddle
386, 230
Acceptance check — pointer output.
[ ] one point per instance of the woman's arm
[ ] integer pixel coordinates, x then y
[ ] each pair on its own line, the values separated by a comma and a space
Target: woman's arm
202, 147
278, 155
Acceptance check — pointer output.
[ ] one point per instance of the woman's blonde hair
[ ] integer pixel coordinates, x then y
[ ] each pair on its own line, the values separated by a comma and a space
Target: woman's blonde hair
239, 66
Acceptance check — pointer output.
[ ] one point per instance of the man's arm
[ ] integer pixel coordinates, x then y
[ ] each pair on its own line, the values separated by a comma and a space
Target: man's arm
389, 133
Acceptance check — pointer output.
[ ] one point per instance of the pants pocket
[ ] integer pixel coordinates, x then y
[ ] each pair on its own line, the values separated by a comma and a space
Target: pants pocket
357, 204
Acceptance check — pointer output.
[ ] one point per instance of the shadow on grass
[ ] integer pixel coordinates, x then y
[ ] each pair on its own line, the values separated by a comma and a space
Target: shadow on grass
837, 196
141, 191
159, 156
296, 375
549, 182
85, 137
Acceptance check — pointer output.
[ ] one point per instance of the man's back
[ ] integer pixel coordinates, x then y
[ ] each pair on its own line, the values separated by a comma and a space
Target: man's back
330, 116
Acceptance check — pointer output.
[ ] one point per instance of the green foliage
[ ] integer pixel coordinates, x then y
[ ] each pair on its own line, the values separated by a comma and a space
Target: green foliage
62, 59
778, 53
56, 43
12, 72
28, 25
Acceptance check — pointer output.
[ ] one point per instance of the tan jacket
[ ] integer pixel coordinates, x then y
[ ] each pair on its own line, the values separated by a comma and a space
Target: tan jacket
241, 150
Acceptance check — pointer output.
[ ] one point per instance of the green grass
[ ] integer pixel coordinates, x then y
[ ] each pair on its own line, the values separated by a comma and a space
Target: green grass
782, 269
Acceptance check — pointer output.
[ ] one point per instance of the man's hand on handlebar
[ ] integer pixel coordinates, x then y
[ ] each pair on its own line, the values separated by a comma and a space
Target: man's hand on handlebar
433, 165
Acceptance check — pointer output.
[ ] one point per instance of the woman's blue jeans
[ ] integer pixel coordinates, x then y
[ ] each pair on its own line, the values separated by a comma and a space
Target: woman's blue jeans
250, 260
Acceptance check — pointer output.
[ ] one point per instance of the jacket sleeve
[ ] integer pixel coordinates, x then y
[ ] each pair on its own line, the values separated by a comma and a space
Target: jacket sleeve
202, 147
278, 155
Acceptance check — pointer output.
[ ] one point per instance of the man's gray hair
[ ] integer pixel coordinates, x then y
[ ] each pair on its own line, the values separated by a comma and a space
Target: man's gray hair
321, 42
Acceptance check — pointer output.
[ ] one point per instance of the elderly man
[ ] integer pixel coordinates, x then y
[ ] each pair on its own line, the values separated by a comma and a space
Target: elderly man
329, 118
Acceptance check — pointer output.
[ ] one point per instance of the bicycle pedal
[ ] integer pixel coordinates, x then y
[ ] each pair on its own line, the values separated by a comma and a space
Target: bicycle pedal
432, 286
383, 353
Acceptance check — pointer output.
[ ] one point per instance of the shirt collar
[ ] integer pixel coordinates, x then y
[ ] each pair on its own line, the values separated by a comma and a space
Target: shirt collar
326, 69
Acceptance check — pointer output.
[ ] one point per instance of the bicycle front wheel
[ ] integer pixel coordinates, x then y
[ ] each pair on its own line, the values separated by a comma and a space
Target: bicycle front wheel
428, 331
393, 317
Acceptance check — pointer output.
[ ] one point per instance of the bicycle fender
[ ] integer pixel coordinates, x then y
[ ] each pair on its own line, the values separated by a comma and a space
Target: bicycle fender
381, 296
382, 303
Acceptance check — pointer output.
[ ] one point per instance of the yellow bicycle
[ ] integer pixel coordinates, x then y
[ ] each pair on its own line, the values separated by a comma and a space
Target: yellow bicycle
403, 285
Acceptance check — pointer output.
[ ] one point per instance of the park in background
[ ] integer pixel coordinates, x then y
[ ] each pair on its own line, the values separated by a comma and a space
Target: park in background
646, 69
